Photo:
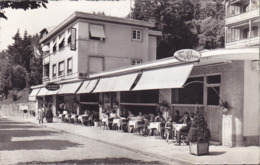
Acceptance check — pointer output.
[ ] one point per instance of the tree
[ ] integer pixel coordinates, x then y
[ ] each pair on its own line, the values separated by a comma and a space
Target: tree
20, 51
171, 18
208, 24
24, 4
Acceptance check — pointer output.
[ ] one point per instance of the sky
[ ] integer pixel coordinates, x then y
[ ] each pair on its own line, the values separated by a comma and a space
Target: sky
33, 21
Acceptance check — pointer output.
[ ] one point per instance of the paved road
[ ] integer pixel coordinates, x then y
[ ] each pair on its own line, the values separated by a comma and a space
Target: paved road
24, 143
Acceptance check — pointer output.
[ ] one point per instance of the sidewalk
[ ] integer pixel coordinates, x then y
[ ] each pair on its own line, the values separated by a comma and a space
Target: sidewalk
157, 147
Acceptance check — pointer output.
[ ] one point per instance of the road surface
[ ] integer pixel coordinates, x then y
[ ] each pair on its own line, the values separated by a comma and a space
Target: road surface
25, 143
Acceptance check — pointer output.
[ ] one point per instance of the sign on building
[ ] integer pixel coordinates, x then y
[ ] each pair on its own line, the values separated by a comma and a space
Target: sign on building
187, 55
73, 39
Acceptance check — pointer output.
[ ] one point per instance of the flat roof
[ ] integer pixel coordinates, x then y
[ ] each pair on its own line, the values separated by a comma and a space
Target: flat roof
95, 17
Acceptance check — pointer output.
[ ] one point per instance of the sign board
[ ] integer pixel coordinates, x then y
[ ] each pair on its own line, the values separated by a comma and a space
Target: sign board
187, 55
52, 86
73, 39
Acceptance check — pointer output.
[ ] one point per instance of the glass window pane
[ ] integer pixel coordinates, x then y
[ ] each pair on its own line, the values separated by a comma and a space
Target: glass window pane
214, 79
213, 98
190, 94
147, 96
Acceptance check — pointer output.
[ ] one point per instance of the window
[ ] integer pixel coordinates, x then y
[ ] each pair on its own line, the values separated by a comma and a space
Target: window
69, 64
212, 94
96, 64
245, 33
137, 35
61, 41
54, 71
254, 32
146, 96
54, 48
213, 89
233, 34
61, 68
190, 94
136, 62
46, 71
97, 32
89, 97
216, 79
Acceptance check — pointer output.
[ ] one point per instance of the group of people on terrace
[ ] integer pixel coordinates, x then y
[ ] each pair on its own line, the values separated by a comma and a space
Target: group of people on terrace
176, 127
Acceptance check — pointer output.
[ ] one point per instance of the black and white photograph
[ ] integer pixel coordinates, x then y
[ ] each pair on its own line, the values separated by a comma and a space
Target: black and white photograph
156, 82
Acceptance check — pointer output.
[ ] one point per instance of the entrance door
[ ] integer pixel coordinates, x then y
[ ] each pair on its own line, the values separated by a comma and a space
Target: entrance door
214, 114
214, 120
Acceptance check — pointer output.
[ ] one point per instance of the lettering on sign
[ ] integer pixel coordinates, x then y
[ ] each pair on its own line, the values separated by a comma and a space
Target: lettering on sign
73, 39
187, 55
52, 86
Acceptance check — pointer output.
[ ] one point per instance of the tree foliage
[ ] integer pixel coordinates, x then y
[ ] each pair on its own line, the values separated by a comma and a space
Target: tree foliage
18, 67
24, 4
184, 23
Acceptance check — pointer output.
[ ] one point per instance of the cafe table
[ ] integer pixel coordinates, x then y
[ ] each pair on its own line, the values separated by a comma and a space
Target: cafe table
136, 124
82, 118
157, 125
118, 122
177, 127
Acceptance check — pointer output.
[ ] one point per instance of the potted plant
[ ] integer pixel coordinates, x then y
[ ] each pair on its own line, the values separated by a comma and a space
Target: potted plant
225, 107
199, 136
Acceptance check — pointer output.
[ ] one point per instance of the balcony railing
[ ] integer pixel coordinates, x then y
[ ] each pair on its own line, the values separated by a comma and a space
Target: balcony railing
243, 43
242, 17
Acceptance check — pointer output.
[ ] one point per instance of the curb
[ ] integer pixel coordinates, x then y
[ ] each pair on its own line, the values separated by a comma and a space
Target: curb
164, 158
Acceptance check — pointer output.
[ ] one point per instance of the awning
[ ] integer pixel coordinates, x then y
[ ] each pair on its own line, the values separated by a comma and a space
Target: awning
106, 84
88, 86
53, 92
125, 82
42, 92
163, 78
32, 96
97, 31
69, 88
116, 83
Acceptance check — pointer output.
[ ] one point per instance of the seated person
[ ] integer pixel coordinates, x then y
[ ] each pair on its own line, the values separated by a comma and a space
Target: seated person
159, 118
177, 116
185, 119
184, 130
140, 116
113, 114
152, 117
130, 115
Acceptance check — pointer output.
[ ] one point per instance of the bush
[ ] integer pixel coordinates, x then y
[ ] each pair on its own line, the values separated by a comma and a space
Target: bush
199, 131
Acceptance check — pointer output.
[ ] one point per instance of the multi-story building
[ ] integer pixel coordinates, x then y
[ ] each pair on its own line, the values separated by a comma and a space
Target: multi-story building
242, 23
86, 43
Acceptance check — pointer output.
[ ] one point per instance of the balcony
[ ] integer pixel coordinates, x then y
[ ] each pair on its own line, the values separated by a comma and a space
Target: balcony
242, 17
243, 43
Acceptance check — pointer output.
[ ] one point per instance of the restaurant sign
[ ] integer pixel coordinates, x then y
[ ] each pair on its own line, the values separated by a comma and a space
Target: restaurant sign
73, 39
187, 55
52, 86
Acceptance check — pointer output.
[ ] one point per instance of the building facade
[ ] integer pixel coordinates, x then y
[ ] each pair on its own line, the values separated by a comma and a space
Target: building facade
221, 75
86, 43
242, 23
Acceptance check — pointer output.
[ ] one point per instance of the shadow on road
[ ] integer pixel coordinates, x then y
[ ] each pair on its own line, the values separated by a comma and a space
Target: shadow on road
11, 126
50, 144
122, 160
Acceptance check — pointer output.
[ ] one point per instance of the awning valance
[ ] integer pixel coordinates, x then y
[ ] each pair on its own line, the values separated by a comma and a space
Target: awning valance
42, 92
116, 83
69, 88
33, 94
163, 78
97, 31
